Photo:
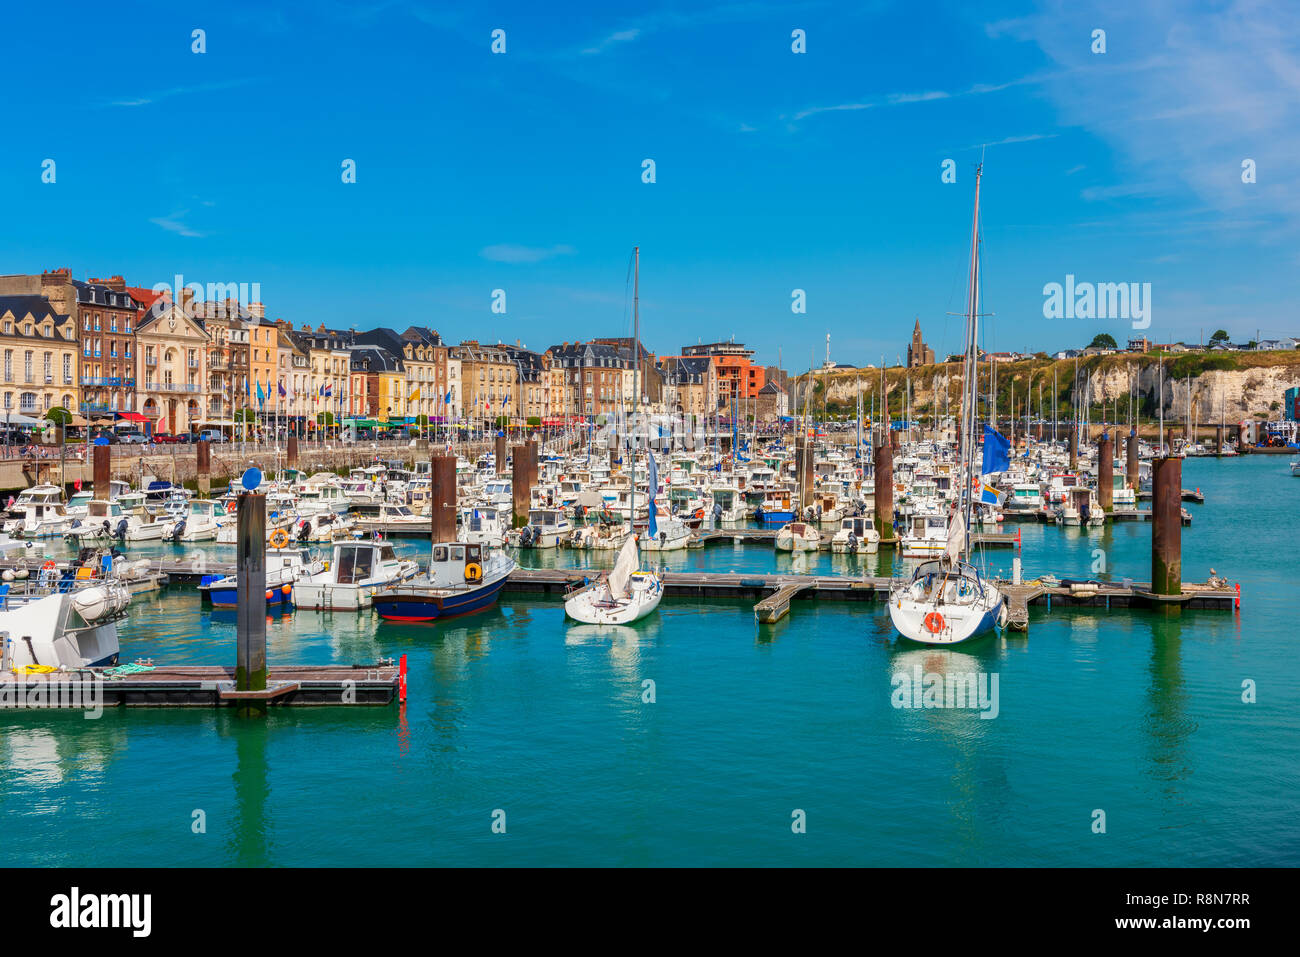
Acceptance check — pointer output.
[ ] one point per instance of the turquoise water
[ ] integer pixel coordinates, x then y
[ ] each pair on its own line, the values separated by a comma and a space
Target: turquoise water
1137, 715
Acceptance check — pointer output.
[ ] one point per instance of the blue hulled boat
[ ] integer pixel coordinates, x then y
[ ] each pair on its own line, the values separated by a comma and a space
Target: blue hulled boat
462, 579
284, 568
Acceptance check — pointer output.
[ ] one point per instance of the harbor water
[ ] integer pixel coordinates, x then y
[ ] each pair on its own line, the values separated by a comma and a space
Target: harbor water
519, 717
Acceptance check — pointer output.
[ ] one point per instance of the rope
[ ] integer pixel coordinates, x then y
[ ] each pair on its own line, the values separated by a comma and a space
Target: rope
122, 671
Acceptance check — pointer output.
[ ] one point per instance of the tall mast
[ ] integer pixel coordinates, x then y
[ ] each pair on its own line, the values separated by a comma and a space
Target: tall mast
970, 391
636, 392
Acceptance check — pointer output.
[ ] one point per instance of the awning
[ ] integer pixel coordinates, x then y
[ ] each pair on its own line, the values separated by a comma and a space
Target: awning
73, 422
17, 418
133, 417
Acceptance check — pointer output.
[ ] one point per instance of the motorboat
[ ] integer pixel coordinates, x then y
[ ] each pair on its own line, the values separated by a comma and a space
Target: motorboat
322, 526
38, 512
798, 537
51, 624
285, 568
925, 536
352, 576
856, 535
482, 525
206, 518
624, 596
461, 579
545, 528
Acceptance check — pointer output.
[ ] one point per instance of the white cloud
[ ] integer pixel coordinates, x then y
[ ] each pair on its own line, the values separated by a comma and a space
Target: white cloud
511, 253
173, 224
617, 37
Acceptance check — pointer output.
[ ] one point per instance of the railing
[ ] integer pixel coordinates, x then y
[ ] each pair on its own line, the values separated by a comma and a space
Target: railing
172, 387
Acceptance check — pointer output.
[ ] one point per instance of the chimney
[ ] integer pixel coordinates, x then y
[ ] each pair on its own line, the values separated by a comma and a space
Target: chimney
187, 300
55, 277
257, 310
116, 283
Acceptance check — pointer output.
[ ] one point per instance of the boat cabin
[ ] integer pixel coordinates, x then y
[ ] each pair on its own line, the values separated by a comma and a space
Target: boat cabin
449, 562
356, 563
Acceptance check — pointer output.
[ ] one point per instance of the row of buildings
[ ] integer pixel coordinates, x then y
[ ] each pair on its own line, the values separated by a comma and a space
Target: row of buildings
104, 350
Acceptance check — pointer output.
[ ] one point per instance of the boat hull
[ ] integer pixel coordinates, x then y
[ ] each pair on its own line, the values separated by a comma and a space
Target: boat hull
416, 604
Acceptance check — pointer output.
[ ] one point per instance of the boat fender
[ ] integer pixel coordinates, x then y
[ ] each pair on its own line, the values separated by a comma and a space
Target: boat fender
473, 572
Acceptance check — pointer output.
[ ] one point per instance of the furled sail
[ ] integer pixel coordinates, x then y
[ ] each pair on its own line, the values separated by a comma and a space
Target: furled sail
956, 538
623, 569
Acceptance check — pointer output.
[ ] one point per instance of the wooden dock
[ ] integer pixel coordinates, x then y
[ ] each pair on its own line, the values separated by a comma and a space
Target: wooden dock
773, 594
204, 686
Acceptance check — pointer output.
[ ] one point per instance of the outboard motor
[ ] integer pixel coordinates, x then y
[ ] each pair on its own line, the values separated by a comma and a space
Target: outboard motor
853, 542
717, 510
121, 529
178, 530
304, 530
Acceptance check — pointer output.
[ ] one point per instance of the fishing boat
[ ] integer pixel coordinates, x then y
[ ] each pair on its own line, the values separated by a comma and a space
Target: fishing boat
352, 576
545, 528
461, 579
947, 601
623, 597
285, 568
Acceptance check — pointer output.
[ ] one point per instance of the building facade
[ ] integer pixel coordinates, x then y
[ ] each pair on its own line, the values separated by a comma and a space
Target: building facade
173, 390
39, 349
918, 353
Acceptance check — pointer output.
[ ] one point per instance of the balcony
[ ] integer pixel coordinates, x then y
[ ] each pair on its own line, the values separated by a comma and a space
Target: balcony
151, 360
193, 363
95, 408
171, 387
113, 382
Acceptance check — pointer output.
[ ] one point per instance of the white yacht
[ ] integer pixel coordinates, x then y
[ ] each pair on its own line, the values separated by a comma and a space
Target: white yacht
856, 535
545, 528
483, 525
798, 537
38, 512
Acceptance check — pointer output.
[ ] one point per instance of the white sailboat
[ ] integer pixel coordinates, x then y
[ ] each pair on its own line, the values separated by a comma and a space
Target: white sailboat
623, 597
947, 600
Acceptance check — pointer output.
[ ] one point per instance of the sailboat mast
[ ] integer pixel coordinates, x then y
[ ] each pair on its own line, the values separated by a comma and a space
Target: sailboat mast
636, 388
970, 390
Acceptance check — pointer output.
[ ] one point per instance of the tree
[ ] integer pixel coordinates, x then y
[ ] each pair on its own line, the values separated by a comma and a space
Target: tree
1103, 340
1220, 338
534, 421
59, 415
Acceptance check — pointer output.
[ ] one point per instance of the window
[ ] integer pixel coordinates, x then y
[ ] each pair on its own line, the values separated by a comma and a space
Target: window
27, 365
49, 366
9, 365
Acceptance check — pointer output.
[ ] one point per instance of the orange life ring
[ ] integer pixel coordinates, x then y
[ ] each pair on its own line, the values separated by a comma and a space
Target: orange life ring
473, 572
699, 513
49, 566
279, 538
934, 623
232, 507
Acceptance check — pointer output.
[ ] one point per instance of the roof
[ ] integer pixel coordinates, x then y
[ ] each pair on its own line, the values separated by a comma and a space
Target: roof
375, 359
38, 307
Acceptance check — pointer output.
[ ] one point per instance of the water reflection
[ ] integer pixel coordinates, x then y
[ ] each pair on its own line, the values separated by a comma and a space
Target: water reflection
248, 843
1168, 725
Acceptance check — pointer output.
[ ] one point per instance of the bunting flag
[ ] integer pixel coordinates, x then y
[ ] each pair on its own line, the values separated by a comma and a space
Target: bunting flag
414, 396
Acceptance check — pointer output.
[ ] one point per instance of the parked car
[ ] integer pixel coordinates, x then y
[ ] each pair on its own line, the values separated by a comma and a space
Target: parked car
166, 438
212, 435
106, 436
132, 437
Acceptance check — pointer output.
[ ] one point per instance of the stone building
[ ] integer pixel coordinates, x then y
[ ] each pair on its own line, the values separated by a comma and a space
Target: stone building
39, 349
918, 353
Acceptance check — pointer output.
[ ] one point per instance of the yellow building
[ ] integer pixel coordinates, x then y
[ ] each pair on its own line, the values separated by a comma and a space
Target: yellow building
39, 349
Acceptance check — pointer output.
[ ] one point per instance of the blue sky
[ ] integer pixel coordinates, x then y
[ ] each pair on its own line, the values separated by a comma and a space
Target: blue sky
774, 170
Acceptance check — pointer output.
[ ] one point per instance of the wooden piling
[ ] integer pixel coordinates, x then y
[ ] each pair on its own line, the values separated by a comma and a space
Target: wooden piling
1106, 473
500, 453
1218, 440
292, 454
203, 466
1074, 448
522, 486
1167, 526
442, 498
250, 615
884, 490
101, 456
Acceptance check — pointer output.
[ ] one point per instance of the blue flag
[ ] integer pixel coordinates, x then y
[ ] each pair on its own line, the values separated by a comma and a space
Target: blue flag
653, 485
997, 452
261, 396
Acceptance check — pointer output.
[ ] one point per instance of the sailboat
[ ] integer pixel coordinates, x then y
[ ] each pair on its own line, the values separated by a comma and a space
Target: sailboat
947, 600
625, 596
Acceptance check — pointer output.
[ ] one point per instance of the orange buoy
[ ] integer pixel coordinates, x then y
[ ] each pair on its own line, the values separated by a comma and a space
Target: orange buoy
934, 623
286, 589
268, 594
